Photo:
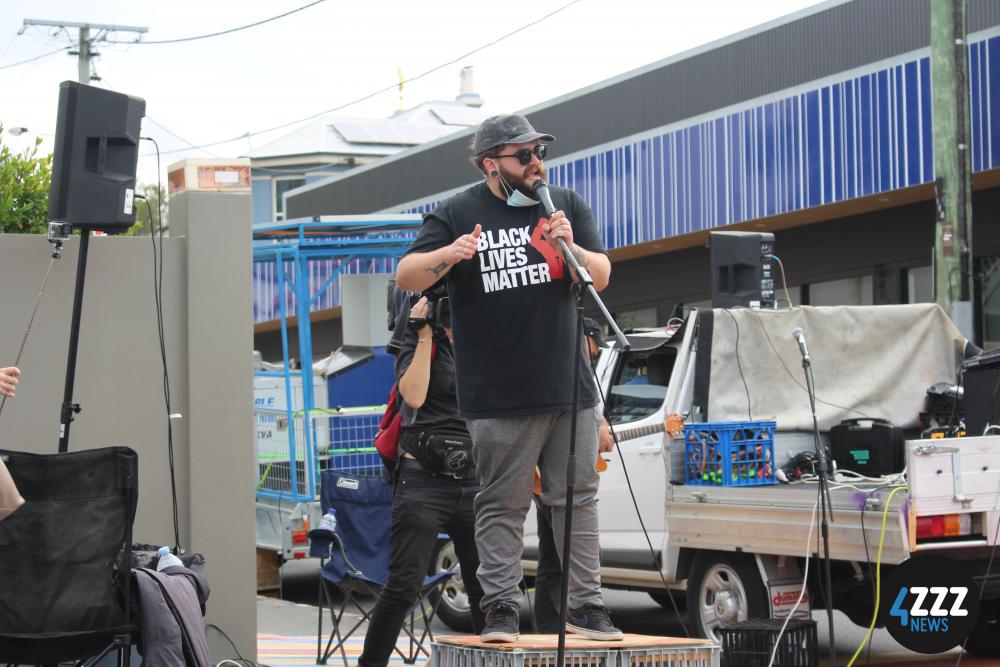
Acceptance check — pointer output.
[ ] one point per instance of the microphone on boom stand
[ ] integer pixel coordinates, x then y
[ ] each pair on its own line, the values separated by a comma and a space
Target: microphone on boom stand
822, 470
583, 283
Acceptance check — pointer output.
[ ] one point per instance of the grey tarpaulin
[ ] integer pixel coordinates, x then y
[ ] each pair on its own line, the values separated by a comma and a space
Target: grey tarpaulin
868, 361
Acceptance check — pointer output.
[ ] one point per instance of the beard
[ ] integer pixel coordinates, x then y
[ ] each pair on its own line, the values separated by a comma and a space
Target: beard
522, 178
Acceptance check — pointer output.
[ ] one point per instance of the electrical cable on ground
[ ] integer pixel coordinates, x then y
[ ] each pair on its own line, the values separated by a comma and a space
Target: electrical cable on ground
878, 575
239, 656
214, 34
392, 87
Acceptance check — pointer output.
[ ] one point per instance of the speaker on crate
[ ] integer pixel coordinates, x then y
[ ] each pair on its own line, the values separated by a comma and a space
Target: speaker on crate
93, 166
741, 269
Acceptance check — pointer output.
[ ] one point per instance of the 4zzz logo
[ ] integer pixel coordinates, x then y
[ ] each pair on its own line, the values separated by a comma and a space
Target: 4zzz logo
930, 604
935, 619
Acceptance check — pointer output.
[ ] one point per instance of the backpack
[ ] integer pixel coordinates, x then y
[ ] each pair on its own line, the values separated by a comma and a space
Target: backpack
391, 424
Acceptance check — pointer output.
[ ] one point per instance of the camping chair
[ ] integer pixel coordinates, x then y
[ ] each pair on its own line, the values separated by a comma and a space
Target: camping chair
356, 562
66, 557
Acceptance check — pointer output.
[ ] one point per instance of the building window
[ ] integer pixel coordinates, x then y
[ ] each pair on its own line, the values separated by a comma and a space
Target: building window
990, 272
845, 292
281, 186
920, 285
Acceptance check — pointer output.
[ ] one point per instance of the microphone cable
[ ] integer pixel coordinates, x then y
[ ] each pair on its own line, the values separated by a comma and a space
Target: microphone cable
635, 504
158, 303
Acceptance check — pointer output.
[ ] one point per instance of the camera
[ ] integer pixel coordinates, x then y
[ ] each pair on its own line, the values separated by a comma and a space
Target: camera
399, 304
438, 308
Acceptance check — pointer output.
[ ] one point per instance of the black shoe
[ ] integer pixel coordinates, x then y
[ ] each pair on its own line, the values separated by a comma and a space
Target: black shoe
502, 623
593, 622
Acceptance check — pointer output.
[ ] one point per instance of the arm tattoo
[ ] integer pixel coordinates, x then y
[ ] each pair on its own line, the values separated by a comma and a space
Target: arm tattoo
439, 269
581, 257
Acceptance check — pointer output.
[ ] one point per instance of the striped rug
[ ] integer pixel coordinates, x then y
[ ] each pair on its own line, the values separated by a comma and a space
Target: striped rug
280, 650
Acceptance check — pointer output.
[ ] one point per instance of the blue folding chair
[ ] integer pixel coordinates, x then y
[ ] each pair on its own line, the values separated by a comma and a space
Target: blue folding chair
355, 561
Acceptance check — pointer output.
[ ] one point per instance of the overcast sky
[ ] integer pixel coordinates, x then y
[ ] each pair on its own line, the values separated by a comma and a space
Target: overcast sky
327, 55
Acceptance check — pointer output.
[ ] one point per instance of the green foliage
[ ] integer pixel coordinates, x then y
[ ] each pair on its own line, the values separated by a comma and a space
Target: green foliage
24, 190
154, 196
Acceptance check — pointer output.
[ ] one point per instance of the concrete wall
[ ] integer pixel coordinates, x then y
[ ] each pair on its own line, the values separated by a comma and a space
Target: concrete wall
119, 383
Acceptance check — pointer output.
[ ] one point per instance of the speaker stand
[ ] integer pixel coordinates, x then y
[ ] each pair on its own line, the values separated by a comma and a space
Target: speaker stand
69, 408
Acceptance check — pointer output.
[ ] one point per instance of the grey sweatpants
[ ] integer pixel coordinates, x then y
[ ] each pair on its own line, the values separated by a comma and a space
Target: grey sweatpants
506, 451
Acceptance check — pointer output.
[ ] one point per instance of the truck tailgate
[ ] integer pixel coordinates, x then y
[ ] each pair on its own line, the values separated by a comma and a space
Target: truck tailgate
954, 492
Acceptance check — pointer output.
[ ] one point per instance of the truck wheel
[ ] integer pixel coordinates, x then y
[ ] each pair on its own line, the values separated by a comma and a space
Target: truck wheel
453, 610
723, 588
983, 638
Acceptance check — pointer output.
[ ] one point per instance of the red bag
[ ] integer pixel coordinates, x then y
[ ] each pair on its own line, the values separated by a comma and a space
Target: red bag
389, 427
391, 424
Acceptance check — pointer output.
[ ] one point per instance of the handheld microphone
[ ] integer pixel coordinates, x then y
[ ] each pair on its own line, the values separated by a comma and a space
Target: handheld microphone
800, 338
541, 189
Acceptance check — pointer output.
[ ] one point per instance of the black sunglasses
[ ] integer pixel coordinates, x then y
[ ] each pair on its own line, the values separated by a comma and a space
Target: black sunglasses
524, 155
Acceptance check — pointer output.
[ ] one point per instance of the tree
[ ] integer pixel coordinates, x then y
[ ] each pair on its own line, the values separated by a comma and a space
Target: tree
154, 195
24, 189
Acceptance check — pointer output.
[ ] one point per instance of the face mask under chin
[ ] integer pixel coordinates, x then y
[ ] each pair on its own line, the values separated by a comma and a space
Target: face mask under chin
515, 197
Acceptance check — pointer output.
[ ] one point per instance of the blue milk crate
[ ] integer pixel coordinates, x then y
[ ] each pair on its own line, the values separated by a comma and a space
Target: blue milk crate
729, 453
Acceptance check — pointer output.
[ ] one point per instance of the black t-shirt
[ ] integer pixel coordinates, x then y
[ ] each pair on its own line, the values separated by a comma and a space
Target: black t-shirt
513, 314
439, 413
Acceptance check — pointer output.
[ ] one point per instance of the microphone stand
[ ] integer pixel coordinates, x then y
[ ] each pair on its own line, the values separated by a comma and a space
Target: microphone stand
584, 282
826, 506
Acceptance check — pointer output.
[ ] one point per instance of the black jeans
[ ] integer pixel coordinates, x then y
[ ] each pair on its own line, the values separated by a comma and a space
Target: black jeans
548, 578
423, 506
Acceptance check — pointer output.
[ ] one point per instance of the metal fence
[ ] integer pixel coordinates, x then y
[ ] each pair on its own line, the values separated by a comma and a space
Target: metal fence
291, 452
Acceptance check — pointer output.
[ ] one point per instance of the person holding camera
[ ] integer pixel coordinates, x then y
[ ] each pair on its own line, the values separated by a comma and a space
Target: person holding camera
435, 477
515, 339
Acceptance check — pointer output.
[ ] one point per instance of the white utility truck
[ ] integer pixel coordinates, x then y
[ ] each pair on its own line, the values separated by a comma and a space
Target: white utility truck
733, 546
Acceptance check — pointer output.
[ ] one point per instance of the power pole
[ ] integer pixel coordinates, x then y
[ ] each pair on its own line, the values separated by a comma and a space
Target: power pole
952, 166
85, 42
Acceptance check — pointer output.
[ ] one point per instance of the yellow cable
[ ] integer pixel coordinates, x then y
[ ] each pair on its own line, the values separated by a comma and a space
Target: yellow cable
878, 576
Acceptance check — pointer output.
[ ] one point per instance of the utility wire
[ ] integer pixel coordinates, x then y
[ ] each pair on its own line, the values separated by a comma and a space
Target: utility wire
31, 60
180, 138
215, 34
394, 86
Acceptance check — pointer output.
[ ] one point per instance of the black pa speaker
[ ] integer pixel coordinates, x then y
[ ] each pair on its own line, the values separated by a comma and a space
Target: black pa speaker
981, 398
96, 150
741, 269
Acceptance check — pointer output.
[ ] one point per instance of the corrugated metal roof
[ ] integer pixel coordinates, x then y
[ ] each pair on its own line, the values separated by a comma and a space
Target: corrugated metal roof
810, 45
347, 136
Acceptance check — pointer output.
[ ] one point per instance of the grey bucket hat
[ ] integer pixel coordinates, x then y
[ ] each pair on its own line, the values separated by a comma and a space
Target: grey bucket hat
505, 129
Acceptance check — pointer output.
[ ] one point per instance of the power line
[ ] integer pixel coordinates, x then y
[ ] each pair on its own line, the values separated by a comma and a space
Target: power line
382, 90
175, 135
216, 34
31, 60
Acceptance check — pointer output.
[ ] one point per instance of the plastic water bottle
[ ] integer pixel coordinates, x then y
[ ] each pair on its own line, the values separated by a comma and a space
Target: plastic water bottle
167, 559
329, 521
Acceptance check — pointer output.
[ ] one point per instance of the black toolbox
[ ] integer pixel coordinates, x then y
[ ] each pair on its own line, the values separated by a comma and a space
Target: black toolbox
868, 446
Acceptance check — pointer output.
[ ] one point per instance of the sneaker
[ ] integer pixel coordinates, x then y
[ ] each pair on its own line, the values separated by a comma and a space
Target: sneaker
502, 623
593, 622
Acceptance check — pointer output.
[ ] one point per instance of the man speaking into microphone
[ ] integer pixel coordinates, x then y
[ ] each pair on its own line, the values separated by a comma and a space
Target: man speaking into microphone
514, 324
